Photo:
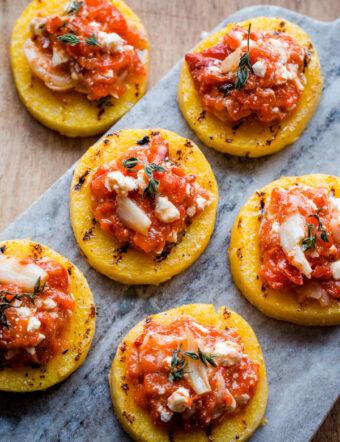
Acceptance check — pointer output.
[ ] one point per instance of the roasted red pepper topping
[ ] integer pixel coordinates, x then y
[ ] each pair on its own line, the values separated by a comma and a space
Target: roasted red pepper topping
92, 45
216, 363
300, 242
32, 327
275, 80
143, 199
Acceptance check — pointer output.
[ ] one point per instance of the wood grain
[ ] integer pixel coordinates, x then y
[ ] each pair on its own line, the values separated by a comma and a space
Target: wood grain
33, 157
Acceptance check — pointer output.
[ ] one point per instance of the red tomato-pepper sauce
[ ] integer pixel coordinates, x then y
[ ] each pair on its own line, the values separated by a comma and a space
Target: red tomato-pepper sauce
186, 197
97, 71
51, 311
271, 91
320, 245
149, 365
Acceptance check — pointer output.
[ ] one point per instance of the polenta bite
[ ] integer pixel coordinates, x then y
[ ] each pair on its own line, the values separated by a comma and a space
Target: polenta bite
251, 88
79, 65
47, 317
285, 250
143, 205
187, 373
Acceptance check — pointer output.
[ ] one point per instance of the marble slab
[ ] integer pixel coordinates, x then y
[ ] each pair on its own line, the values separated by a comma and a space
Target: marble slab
302, 363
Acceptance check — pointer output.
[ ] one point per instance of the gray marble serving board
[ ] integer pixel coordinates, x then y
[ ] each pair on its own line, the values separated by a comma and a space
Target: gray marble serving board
302, 363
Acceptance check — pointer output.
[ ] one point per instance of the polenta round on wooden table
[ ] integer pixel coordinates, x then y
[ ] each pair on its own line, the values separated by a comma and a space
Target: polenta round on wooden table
78, 333
56, 101
290, 302
249, 136
137, 421
118, 260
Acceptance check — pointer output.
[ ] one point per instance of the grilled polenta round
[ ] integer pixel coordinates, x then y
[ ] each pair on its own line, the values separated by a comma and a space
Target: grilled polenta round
245, 261
137, 422
79, 334
250, 136
129, 266
70, 113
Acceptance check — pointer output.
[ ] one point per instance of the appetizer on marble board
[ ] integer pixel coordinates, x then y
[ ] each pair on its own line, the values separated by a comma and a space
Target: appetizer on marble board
81, 65
285, 249
47, 316
251, 88
189, 373
143, 205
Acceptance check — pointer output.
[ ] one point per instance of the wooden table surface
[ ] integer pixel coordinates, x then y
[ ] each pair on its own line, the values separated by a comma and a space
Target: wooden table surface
33, 157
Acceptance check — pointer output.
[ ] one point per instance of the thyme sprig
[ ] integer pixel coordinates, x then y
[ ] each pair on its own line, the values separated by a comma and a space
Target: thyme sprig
72, 39
92, 41
69, 38
149, 168
204, 357
321, 228
244, 67
6, 303
310, 240
75, 7
178, 366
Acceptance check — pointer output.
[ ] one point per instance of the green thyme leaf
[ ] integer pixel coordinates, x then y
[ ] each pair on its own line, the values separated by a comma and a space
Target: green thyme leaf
69, 38
151, 188
309, 241
130, 162
244, 67
178, 366
149, 168
157, 168
75, 7
191, 354
321, 228
92, 41
204, 357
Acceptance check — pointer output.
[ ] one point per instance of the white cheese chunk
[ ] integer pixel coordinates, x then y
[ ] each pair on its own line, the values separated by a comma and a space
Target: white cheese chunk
179, 400
121, 184
111, 42
259, 69
165, 211
12, 271
213, 70
335, 269
201, 202
166, 415
33, 324
30, 350
243, 399
59, 57
37, 25
41, 337
24, 312
49, 304
132, 215
292, 232
278, 47
227, 353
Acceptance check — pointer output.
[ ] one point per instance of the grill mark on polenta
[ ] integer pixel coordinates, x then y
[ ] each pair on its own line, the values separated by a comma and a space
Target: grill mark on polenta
129, 417
118, 253
2, 249
142, 141
81, 180
89, 234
